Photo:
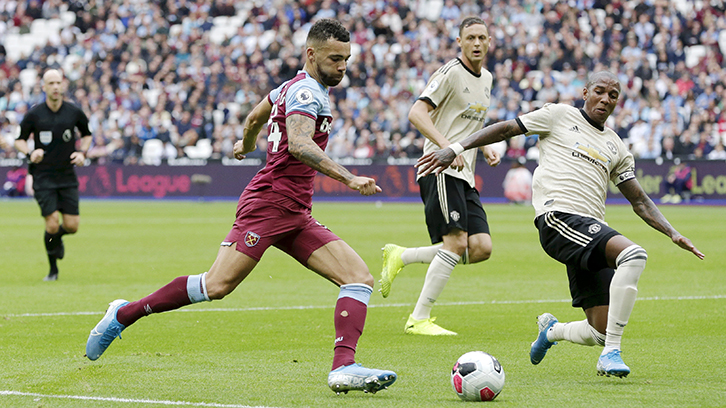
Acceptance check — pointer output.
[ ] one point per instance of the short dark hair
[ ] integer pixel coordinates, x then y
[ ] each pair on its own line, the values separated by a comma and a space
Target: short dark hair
327, 28
600, 75
470, 21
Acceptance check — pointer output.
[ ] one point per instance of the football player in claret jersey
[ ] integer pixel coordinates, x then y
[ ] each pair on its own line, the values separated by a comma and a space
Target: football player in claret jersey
579, 156
275, 210
53, 125
453, 105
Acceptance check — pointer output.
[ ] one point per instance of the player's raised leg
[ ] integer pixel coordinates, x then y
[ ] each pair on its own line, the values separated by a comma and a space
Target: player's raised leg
550, 331
339, 263
396, 257
228, 270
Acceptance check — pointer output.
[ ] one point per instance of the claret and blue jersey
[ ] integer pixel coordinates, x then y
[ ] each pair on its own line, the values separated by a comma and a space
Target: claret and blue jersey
285, 174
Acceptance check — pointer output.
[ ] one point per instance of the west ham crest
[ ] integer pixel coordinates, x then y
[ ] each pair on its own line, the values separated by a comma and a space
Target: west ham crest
251, 239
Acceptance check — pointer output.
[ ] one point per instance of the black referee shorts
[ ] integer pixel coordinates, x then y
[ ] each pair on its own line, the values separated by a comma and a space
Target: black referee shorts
63, 199
579, 243
449, 203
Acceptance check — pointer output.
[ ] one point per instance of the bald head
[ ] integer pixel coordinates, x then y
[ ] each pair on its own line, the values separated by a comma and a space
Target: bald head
52, 75
53, 88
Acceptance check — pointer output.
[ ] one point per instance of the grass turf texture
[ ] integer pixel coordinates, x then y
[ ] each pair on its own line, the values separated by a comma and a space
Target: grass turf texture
271, 345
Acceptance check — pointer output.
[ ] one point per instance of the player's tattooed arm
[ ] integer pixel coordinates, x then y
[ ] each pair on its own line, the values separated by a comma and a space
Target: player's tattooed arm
644, 206
300, 132
649, 212
439, 160
493, 133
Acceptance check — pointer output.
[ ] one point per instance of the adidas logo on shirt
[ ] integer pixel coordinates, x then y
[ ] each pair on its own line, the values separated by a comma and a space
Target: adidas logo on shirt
466, 89
574, 129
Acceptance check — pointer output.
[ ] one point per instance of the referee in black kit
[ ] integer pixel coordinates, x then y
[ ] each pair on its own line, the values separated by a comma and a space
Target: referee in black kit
53, 125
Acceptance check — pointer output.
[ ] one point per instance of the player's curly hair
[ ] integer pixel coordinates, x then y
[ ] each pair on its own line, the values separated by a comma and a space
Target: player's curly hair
325, 29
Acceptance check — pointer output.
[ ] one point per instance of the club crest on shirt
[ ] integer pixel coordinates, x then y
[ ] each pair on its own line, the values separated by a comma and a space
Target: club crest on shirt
455, 215
304, 96
594, 229
251, 239
612, 147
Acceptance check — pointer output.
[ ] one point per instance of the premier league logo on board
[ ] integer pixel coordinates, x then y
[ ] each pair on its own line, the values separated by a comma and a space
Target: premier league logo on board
251, 239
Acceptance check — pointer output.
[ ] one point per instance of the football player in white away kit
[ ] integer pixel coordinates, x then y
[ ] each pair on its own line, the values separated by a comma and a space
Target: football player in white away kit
453, 105
578, 156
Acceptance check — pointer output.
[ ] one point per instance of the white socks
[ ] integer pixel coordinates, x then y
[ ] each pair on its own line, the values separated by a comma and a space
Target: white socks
630, 263
420, 254
576, 332
197, 288
436, 277
426, 254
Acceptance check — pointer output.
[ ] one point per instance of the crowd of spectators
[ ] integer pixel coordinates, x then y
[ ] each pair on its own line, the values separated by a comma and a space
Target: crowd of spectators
184, 74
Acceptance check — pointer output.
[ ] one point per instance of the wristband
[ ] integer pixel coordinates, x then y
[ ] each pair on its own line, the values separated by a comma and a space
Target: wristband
457, 148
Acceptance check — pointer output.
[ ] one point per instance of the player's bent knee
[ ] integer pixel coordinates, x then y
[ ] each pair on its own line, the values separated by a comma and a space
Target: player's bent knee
217, 291
632, 254
363, 277
458, 249
52, 227
366, 279
479, 254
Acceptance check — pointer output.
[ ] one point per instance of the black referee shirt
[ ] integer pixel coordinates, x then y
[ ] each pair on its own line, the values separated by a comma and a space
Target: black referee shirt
54, 132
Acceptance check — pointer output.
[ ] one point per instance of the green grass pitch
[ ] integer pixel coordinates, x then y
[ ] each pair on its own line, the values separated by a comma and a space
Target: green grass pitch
269, 344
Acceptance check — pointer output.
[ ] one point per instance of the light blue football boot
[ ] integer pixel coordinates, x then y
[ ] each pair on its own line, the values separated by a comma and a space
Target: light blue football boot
541, 344
612, 364
105, 331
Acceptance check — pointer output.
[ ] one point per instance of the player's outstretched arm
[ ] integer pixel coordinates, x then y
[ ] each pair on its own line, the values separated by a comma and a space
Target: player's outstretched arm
253, 124
439, 160
649, 212
300, 131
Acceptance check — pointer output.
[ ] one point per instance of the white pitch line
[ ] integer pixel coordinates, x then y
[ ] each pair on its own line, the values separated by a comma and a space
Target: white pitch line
270, 308
130, 400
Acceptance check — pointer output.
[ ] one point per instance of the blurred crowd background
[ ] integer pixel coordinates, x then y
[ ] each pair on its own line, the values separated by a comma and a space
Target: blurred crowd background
176, 78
